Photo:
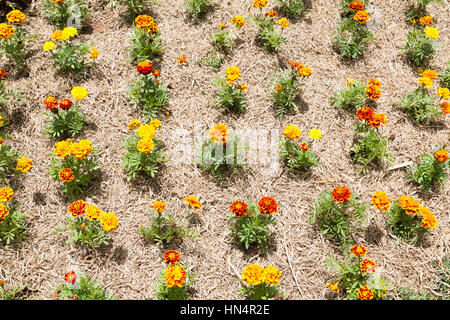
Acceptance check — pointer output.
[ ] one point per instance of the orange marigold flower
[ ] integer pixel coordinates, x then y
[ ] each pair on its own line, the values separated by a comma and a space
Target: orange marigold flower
193, 202
441, 155
145, 145
57, 1
272, 275
81, 149
63, 148
429, 220
6, 194
278, 88
65, 104
365, 293
93, 213
144, 67
445, 107
430, 74
182, 59
365, 114
70, 276
367, 265
24, 164
374, 82
158, 206
66, 175
144, 22
175, 276
239, 208
238, 21
267, 205
172, 257
51, 102
362, 16
295, 64
341, 194
333, 286
157, 73
292, 132
373, 92
77, 208
271, 13
377, 120
356, 5
410, 205
6, 31
94, 53
3, 212
109, 221
219, 133
305, 147
2, 73
243, 87
381, 201
358, 251
304, 71
425, 21
253, 274
16, 17
259, 3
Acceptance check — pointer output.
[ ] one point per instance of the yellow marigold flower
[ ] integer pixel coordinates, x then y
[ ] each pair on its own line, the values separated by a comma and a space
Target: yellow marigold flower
134, 124
6, 31
304, 71
260, 3
426, 82
155, 123
219, 133
146, 131
431, 32
174, 276
81, 149
350, 82
48, 46
315, 134
16, 17
79, 93
253, 274
69, 32
222, 25
145, 145
381, 201
193, 202
109, 221
233, 73
292, 132
283, 22
238, 21
427, 20
6, 194
93, 213
362, 16
272, 275
431, 74
158, 206
94, 53
62, 148
333, 286
410, 205
444, 93
24, 164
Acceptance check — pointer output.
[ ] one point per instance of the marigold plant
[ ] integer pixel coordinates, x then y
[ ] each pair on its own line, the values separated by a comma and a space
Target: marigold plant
420, 47
146, 41
81, 287
13, 222
231, 93
81, 158
66, 12
444, 76
270, 36
134, 7
291, 9
357, 94
12, 163
249, 222
197, 8
260, 283
6, 97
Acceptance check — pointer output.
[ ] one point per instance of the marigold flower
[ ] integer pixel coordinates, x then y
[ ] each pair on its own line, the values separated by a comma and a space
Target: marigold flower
431, 74
146, 131
70, 276
365, 293
278, 88
271, 13
358, 251
304, 147
77, 208
260, 3
51, 102
57, 1
24, 164
431, 32
425, 81
333, 286
182, 59
341, 194
267, 205
441, 155
243, 87
3, 212
16, 17
238, 21
413, 21
81, 149
6, 194
373, 92
109, 221
239, 208
57, 35
145, 145
175, 276
362, 16
172, 257
93, 213
144, 67
144, 21
2, 73
219, 133
377, 120
304, 71
1, 139
66, 175
381, 201
94, 53
444, 93
79, 93
367, 265
374, 82
429, 220
158, 206
272, 275
350, 81
283, 22
356, 5
410, 205
63, 148
233, 73
222, 25
155, 123
193, 202
315, 134
427, 20
68, 32
48, 46
6, 31
292, 132
445, 107
365, 113
134, 124
157, 73
253, 274
65, 104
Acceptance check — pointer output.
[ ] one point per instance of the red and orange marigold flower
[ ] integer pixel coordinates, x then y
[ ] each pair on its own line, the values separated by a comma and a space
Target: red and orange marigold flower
70, 277
425, 21
341, 194
158, 206
175, 276
193, 202
219, 133
410, 205
65, 104
24, 164
364, 293
362, 16
51, 102
267, 205
377, 120
6, 31
16, 17
441, 155
239, 208
6, 194
373, 92
3, 212
253, 274
358, 250
259, 3
429, 220
77, 208
368, 265
445, 107
144, 67
172, 257
365, 113
381, 201
356, 5
66, 175
272, 275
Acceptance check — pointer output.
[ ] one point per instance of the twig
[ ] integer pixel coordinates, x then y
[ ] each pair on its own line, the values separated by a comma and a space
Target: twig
405, 164
235, 271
